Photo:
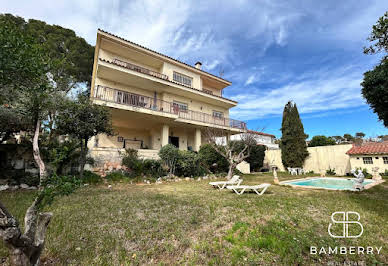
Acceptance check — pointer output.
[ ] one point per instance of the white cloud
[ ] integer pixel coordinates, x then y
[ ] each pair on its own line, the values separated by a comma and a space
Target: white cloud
321, 91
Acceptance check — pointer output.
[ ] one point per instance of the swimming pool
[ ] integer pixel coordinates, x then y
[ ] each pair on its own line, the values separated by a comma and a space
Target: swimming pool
331, 183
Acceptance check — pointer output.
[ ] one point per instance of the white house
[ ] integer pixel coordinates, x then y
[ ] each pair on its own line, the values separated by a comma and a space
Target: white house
261, 138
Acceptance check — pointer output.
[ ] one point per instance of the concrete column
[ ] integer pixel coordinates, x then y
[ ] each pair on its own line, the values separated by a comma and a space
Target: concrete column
164, 135
197, 139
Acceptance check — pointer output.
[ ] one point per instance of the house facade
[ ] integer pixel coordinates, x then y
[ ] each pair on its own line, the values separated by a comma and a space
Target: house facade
154, 100
261, 138
369, 155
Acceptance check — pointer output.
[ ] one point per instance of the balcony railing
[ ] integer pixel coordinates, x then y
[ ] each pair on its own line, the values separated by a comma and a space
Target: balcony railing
136, 100
140, 69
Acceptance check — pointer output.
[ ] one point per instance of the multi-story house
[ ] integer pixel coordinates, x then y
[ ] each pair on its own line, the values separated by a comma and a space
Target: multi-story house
155, 99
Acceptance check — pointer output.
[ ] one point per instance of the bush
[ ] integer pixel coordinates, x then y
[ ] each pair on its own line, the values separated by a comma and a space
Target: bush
330, 171
137, 167
91, 178
211, 160
366, 174
29, 179
116, 176
56, 186
385, 173
170, 156
188, 164
153, 168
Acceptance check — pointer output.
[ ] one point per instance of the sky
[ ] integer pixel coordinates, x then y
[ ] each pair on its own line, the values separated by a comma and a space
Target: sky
273, 51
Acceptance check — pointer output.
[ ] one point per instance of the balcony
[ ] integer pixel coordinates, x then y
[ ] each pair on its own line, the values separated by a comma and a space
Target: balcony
140, 101
140, 69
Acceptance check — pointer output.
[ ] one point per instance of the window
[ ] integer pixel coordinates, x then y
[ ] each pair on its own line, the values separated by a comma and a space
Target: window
367, 160
218, 114
181, 107
385, 159
186, 80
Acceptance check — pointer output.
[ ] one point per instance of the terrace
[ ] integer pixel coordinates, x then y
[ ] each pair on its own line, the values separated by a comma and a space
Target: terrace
121, 97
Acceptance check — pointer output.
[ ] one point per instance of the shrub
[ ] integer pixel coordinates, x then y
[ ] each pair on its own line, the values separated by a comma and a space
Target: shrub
116, 176
366, 174
330, 171
138, 167
56, 186
211, 160
385, 173
91, 178
153, 168
170, 156
29, 179
189, 165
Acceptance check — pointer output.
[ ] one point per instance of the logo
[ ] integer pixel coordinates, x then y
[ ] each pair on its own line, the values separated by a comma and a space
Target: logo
346, 223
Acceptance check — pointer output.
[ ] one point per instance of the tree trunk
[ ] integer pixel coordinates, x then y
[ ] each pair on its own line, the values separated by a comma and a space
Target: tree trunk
25, 249
36, 152
83, 157
232, 166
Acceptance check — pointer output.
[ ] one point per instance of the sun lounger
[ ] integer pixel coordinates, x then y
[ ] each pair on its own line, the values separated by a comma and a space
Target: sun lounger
240, 189
235, 180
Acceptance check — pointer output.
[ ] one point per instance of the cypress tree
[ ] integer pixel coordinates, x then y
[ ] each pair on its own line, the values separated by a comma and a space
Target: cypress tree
293, 141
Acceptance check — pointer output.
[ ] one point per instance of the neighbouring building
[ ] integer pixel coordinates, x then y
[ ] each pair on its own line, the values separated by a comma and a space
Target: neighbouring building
261, 138
154, 100
369, 155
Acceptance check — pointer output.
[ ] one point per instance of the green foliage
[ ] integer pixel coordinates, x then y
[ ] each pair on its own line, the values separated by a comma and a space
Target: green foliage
375, 83
293, 141
379, 35
91, 178
366, 174
61, 154
189, 165
137, 167
348, 137
29, 179
330, 171
375, 90
116, 176
256, 154
55, 186
321, 141
212, 160
11, 122
385, 173
70, 56
169, 154
82, 120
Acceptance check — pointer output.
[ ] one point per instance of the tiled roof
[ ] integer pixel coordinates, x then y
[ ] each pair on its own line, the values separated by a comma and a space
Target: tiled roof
113, 63
260, 133
163, 55
370, 148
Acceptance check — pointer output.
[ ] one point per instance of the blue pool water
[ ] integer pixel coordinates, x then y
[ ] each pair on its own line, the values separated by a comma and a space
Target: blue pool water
327, 183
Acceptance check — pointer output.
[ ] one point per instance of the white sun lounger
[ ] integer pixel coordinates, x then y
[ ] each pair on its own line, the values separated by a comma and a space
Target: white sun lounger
235, 180
240, 189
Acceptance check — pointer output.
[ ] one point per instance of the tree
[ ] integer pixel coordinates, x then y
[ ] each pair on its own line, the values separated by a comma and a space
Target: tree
375, 90
348, 137
293, 140
321, 141
375, 83
71, 57
230, 150
25, 89
379, 35
360, 135
82, 120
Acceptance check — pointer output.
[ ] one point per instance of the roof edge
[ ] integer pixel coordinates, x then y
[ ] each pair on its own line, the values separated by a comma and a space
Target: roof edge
168, 57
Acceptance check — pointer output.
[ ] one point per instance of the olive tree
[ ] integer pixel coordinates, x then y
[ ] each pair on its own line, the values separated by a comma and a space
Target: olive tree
233, 151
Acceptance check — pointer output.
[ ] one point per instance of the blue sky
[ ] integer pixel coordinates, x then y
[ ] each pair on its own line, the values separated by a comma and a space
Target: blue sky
273, 51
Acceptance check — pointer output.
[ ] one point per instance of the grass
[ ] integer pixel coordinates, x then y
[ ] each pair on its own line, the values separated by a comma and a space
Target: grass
188, 222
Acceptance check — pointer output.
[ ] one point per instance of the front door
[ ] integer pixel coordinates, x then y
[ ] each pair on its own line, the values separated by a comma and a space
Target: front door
174, 141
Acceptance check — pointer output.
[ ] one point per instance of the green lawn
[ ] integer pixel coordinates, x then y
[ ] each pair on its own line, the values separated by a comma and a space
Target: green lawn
188, 222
